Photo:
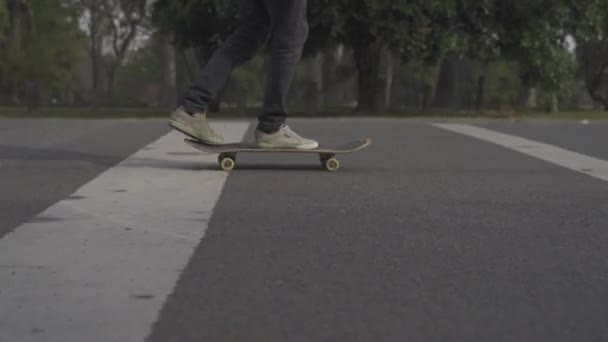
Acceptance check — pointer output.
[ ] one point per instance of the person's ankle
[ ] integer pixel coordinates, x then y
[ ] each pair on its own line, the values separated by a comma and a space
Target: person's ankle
193, 113
266, 130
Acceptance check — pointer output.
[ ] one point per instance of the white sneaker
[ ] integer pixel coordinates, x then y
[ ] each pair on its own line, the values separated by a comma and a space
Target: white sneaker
196, 127
284, 138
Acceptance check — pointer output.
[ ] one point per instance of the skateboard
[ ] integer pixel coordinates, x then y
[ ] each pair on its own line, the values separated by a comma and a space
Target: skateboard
327, 154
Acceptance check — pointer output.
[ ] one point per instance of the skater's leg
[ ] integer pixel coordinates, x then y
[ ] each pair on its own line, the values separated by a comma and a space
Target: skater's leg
253, 30
251, 34
289, 31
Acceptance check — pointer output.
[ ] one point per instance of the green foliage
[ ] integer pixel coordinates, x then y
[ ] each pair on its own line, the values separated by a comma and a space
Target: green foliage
43, 52
515, 45
415, 30
4, 19
531, 33
410, 28
51, 48
587, 18
502, 85
593, 57
4, 24
414, 82
592, 53
202, 24
137, 82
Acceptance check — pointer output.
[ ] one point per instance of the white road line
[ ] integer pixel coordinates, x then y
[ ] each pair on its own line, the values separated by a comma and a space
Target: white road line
591, 166
100, 265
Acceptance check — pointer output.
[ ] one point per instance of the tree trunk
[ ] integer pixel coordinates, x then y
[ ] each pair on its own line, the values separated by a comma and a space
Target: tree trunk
593, 82
447, 82
367, 60
426, 96
31, 95
388, 84
480, 93
527, 95
333, 93
315, 70
94, 51
554, 106
94, 78
110, 83
17, 14
168, 57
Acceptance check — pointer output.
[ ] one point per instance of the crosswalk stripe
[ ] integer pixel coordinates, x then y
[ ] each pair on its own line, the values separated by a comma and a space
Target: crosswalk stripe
99, 265
588, 165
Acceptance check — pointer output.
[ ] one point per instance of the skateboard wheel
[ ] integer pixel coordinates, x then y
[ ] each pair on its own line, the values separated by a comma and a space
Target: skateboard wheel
227, 164
332, 164
223, 156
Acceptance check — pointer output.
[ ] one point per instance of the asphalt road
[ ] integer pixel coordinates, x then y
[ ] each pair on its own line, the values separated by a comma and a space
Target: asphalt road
427, 235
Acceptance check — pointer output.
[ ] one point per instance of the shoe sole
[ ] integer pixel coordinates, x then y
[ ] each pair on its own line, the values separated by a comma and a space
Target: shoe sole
300, 147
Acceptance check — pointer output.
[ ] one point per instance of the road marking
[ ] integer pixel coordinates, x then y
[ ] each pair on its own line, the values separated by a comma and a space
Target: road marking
99, 265
591, 166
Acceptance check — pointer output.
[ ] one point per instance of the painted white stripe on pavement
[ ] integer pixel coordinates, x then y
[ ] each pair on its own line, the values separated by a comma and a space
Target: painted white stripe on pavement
591, 166
100, 265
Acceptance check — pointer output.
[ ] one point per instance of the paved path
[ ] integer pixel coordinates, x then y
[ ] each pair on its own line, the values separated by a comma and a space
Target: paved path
440, 231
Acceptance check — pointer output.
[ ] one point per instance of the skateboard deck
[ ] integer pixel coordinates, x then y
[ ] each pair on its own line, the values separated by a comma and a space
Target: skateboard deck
228, 152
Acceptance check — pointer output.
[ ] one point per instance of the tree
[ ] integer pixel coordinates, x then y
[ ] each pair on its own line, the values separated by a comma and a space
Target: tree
531, 33
169, 71
538, 44
19, 23
4, 25
41, 49
112, 28
94, 23
593, 57
4, 19
592, 53
198, 24
128, 20
411, 30
476, 38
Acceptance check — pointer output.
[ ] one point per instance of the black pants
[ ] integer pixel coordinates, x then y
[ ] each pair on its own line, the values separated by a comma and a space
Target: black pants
282, 26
